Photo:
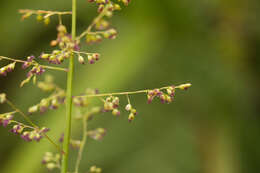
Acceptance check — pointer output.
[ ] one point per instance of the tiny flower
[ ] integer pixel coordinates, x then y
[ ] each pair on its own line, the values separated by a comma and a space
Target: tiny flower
25, 136
54, 104
2, 98
117, 7
81, 59
97, 134
131, 117
149, 99
44, 130
47, 21
128, 107
75, 143
171, 91
185, 86
94, 169
33, 109
51, 166
39, 17
54, 43
96, 56
111, 34
17, 129
115, 102
61, 139
91, 59
116, 112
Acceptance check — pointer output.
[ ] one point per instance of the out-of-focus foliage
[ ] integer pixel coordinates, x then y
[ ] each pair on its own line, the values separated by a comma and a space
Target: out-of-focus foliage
213, 128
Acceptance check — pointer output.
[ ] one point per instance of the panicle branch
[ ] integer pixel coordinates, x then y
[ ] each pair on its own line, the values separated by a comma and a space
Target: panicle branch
42, 14
35, 132
181, 87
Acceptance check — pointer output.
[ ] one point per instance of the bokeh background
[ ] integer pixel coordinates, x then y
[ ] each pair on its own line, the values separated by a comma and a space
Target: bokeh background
212, 128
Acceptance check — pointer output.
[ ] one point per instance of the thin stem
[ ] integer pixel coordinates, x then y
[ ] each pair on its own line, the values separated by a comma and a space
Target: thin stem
83, 142
34, 125
34, 63
86, 53
98, 18
48, 13
128, 99
21, 113
67, 134
183, 86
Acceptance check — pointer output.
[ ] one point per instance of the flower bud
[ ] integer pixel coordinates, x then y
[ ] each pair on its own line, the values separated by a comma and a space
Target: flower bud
39, 17
75, 143
51, 166
131, 117
96, 56
117, 7
128, 107
184, 86
47, 21
54, 43
116, 112
91, 59
2, 98
81, 59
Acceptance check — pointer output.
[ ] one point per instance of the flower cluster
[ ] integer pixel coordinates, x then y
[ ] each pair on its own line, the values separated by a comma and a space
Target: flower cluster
84, 102
96, 37
6, 69
97, 134
29, 136
92, 57
165, 98
36, 70
111, 104
28, 62
52, 102
132, 111
66, 45
51, 161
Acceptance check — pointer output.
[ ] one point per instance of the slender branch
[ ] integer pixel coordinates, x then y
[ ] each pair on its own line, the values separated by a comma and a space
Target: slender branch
85, 53
34, 63
83, 142
67, 134
33, 125
48, 13
25, 126
98, 18
21, 113
183, 86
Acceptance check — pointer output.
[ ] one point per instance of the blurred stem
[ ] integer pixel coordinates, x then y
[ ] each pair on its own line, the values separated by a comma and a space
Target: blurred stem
83, 141
66, 143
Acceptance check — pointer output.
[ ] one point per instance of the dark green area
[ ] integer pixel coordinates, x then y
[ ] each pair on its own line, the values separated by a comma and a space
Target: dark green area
212, 128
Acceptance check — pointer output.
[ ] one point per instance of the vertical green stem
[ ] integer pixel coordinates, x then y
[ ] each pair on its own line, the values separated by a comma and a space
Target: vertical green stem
64, 168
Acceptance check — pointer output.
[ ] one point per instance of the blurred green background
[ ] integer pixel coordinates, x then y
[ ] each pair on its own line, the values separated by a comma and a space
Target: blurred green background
212, 128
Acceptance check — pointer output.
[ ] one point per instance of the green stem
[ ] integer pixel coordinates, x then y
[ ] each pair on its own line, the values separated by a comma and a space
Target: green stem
66, 143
